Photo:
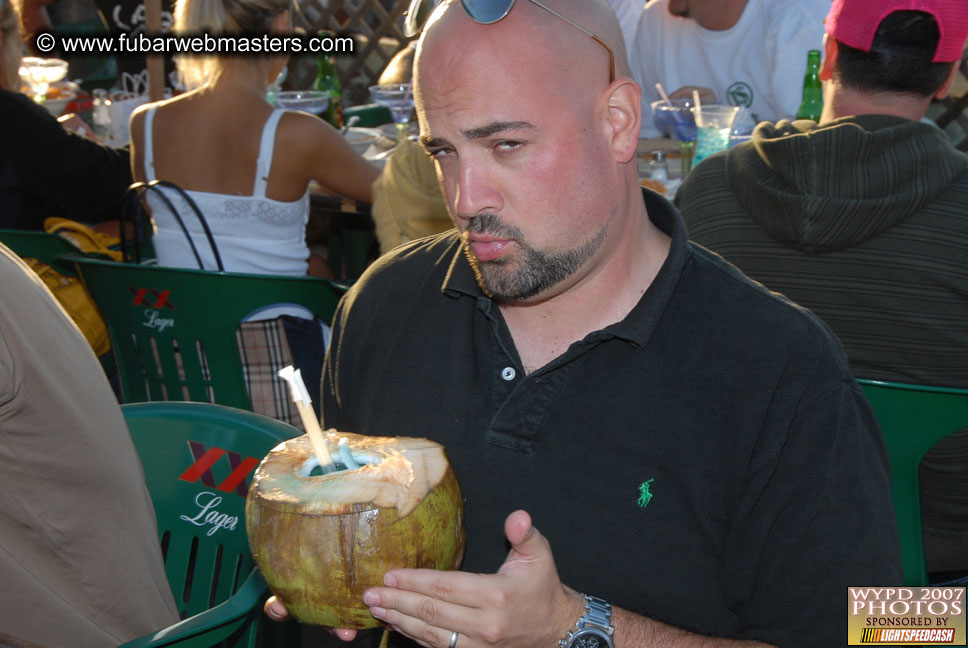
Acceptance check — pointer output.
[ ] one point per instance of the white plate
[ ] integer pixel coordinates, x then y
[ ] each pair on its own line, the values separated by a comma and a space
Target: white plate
362, 138
56, 106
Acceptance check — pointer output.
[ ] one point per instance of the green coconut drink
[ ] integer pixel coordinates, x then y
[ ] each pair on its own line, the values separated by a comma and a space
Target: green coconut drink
321, 539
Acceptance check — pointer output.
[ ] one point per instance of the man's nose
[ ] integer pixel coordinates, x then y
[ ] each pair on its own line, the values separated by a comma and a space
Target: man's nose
477, 191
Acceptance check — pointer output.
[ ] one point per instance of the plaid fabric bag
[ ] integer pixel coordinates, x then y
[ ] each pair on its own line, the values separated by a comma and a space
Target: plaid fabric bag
266, 346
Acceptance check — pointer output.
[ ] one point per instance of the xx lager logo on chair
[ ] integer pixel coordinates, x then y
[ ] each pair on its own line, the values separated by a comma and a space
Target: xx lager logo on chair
208, 513
141, 297
206, 458
153, 318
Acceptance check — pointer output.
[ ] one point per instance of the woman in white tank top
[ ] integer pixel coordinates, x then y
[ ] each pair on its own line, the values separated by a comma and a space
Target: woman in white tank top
246, 165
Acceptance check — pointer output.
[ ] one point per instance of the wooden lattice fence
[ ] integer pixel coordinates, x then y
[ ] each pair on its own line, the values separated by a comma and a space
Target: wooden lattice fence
376, 27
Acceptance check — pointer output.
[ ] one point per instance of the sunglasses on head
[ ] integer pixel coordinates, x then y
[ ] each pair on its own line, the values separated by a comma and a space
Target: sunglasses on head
487, 12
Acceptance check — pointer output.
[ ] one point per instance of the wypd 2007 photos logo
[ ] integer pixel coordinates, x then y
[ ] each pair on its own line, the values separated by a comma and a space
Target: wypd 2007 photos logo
893, 616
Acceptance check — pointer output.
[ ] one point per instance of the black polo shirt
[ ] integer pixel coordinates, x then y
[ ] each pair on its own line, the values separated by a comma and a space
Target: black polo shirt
708, 461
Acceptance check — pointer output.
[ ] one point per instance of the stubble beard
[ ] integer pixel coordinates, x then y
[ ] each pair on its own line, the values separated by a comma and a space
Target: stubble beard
525, 272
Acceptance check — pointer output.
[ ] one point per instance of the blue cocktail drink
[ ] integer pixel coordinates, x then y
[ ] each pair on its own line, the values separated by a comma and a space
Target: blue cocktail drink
714, 125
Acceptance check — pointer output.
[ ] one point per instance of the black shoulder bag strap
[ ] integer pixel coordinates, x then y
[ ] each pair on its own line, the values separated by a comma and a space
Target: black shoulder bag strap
135, 196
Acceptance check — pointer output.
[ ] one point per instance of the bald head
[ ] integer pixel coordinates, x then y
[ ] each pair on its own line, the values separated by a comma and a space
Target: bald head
558, 40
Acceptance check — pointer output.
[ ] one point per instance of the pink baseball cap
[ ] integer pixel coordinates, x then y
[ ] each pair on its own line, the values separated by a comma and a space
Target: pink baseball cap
854, 22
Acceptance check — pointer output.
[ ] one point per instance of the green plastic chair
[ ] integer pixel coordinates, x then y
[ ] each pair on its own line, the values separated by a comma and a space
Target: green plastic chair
173, 330
198, 462
352, 246
351, 243
913, 418
49, 248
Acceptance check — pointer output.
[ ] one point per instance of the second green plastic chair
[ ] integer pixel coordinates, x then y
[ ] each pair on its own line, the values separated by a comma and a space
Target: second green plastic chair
43, 246
913, 418
173, 330
198, 461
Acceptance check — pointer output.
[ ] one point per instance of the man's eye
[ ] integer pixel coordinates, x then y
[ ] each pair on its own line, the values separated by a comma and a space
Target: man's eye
439, 153
508, 145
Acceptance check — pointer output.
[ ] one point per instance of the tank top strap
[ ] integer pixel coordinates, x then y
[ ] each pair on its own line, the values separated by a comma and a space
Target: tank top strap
266, 147
149, 156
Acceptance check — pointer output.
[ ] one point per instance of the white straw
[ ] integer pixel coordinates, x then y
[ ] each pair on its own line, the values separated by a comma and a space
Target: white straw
698, 107
300, 396
662, 93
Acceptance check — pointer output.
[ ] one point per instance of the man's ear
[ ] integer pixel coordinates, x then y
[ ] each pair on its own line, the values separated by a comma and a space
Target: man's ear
946, 87
829, 61
624, 118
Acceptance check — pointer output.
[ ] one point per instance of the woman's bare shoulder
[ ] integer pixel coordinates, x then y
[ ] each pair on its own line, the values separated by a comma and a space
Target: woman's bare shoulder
305, 128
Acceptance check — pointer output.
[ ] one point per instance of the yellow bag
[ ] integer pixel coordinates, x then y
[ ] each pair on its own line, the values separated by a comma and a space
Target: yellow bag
85, 238
69, 291
72, 295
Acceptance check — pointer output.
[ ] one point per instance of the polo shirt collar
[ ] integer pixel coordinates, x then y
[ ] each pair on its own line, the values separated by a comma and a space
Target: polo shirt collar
638, 325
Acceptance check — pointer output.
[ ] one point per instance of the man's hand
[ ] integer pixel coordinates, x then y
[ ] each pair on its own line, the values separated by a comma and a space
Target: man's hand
523, 604
275, 610
74, 123
706, 95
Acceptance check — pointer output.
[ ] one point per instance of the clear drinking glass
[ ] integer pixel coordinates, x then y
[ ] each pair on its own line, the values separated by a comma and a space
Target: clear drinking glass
713, 127
675, 120
398, 97
311, 101
39, 73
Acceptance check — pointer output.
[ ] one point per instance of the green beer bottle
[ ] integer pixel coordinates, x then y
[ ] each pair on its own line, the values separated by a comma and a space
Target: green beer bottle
328, 81
812, 104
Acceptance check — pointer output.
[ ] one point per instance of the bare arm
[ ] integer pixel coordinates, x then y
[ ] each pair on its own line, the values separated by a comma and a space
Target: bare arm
136, 127
634, 630
706, 95
326, 157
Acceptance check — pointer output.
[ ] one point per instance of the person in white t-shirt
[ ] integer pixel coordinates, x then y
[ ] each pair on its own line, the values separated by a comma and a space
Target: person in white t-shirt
628, 13
749, 53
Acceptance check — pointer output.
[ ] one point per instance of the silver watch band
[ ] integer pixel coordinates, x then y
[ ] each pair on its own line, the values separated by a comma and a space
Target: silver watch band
598, 613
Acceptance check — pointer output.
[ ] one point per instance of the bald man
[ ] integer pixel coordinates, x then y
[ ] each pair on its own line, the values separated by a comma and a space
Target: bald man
693, 449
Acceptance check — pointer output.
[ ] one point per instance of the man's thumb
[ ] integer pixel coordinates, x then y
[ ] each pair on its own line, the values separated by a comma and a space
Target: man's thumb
522, 535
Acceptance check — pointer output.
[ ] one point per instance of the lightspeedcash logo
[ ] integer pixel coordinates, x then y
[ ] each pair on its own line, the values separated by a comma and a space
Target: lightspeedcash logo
896, 636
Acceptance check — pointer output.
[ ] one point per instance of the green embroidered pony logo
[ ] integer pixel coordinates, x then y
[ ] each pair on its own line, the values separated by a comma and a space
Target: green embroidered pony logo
645, 494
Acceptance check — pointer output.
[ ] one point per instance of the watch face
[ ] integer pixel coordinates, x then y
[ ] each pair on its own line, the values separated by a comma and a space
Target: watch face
590, 638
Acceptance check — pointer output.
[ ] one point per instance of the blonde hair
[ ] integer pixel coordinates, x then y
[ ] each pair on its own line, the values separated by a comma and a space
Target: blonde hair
220, 18
10, 47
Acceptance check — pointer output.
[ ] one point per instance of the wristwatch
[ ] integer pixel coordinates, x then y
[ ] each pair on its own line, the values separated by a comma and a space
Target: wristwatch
594, 628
